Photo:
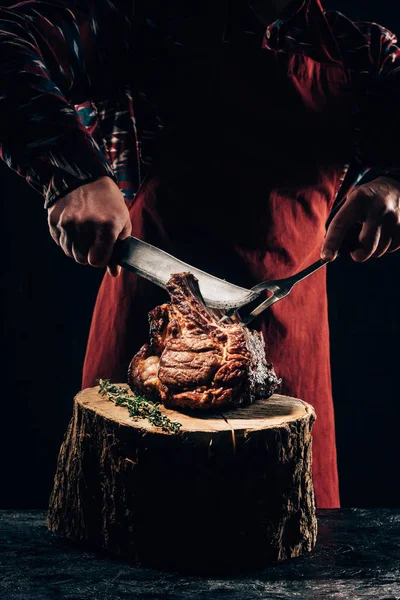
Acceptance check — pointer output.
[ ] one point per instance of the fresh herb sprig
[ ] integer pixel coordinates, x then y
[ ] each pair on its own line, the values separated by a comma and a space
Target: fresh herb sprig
138, 406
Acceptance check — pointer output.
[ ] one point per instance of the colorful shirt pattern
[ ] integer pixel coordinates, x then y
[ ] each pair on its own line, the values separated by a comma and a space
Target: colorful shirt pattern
69, 113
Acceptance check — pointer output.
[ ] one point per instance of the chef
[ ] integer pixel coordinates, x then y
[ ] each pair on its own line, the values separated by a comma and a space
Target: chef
223, 133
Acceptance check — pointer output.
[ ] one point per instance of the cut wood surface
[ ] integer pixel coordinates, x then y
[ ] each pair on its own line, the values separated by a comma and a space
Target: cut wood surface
231, 489
264, 413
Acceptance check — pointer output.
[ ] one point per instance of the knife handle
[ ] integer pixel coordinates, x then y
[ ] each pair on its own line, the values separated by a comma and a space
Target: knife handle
118, 251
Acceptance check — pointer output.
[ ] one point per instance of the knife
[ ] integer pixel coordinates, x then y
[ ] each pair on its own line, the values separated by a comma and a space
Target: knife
157, 266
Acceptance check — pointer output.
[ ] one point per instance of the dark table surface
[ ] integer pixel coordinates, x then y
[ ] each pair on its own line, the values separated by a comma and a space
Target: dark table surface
357, 556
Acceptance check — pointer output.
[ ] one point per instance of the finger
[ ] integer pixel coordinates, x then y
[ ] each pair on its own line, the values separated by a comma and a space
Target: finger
80, 256
100, 252
383, 245
53, 229
114, 269
66, 244
351, 241
84, 239
55, 234
395, 245
337, 231
369, 240
67, 231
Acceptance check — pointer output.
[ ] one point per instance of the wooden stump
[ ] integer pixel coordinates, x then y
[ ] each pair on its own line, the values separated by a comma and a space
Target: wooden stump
231, 490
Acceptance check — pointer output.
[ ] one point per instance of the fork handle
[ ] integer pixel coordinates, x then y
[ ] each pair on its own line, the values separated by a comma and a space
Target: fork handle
289, 282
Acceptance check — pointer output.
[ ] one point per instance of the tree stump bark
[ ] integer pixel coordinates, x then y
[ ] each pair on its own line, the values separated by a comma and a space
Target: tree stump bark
231, 490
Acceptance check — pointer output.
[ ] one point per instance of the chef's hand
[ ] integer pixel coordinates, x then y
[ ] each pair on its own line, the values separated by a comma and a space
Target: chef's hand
374, 205
87, 222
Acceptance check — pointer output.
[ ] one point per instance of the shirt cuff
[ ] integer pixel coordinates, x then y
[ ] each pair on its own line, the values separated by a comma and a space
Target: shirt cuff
60, 171
62, 186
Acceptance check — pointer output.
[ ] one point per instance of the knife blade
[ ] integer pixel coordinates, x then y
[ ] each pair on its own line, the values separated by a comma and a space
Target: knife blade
157, 266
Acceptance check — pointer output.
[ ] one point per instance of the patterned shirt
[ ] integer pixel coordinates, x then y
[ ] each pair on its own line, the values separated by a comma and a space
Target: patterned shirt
72, 110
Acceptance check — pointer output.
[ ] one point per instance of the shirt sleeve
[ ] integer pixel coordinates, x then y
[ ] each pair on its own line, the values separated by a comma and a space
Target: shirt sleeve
51, 56
379, 103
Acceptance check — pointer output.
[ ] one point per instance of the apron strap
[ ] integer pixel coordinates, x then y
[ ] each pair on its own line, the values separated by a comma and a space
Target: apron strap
316, 20
306, 22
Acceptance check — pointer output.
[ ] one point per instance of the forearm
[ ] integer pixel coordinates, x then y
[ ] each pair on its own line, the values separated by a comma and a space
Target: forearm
46, 56
379, 106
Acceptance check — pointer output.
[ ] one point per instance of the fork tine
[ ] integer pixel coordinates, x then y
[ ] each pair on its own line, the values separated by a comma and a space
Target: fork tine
228, 314
261, 307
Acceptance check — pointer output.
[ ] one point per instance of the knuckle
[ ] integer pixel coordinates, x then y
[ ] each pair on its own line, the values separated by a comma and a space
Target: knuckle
337, 223
67, 223
82, 223
52, 220
65, 239
104, 226
360, 194
379, 211
53, 233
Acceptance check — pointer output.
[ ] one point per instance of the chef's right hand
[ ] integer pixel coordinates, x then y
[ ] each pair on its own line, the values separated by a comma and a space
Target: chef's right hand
87, 222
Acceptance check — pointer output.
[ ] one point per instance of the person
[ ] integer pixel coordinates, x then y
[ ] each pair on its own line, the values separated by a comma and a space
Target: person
223, 133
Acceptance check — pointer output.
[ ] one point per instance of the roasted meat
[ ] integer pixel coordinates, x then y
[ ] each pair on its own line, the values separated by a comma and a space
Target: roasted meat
194, 361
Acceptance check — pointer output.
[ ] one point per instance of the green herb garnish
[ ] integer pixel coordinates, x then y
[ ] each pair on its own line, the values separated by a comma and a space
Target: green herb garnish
138, 406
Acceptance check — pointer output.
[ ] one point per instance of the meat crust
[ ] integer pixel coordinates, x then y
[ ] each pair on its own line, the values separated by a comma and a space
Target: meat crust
194, 361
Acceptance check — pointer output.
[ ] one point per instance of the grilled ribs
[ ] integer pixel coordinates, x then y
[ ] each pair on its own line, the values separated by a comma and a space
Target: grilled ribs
195, 362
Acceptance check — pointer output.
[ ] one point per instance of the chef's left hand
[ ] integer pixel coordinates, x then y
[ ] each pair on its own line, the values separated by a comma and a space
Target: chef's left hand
376, 205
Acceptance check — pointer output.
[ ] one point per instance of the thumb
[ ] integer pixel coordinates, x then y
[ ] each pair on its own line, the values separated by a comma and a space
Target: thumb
337, 231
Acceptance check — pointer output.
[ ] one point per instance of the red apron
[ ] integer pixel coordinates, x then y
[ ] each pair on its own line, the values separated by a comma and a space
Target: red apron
246, 197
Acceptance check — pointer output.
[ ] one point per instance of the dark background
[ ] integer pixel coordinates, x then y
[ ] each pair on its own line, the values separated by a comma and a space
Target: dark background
47, 302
